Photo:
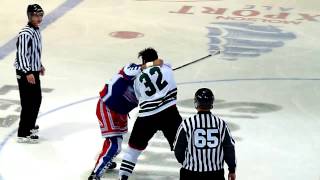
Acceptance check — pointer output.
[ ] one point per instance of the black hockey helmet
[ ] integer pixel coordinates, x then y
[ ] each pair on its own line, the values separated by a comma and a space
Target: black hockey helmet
34, 9
204, 99
148, 55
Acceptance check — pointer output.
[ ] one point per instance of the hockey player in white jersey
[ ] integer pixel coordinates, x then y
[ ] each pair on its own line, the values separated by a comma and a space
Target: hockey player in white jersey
156, 91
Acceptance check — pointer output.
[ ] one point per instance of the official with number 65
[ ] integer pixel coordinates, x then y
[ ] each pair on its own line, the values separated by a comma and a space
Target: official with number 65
203, 143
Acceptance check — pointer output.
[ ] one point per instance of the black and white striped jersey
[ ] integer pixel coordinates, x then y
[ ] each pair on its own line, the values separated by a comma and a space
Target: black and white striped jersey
155, 89
29, 47
203, 142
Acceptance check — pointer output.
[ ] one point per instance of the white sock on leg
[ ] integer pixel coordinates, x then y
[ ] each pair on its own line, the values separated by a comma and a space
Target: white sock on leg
129, 161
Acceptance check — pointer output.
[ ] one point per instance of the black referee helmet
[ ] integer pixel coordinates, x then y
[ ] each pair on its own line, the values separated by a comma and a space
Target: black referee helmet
204, 99
34, 9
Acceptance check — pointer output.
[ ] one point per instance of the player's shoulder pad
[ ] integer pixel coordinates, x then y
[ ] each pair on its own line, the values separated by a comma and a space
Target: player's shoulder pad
167, 64
132, 69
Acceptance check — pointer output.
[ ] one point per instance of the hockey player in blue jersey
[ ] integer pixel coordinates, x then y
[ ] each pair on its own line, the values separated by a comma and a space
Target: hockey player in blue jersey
116, 100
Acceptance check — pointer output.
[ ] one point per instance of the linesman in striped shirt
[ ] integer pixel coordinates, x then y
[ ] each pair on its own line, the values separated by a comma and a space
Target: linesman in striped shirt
28, 68
203, 143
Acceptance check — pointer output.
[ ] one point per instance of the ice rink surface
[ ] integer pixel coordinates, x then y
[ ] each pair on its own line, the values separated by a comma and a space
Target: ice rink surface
266, 81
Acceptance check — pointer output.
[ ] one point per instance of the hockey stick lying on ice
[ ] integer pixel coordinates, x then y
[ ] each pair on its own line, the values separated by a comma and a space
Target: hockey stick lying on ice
197, 60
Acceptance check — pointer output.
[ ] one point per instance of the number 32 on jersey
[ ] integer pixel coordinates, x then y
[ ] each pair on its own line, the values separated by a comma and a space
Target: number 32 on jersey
160, 83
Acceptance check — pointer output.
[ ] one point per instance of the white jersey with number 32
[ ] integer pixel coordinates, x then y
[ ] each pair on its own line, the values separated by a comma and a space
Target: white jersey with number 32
155, 89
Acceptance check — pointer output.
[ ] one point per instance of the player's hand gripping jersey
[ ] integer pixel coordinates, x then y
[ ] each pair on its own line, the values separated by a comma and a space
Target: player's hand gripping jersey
156, 89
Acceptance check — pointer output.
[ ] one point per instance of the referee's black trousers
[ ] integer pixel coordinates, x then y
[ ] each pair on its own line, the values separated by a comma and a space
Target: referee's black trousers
192, 175
30, 99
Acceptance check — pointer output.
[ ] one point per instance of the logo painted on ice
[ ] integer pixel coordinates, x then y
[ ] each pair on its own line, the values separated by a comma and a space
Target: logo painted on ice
245, 39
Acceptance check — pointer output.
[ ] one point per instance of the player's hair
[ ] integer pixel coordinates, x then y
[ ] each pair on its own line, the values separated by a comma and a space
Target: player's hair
148, 55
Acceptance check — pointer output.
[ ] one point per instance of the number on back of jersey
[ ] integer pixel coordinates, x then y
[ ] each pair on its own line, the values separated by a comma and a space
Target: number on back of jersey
206, 138
146, 80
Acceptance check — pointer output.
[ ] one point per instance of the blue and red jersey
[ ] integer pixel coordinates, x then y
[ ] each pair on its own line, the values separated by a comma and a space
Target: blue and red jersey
118, 95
